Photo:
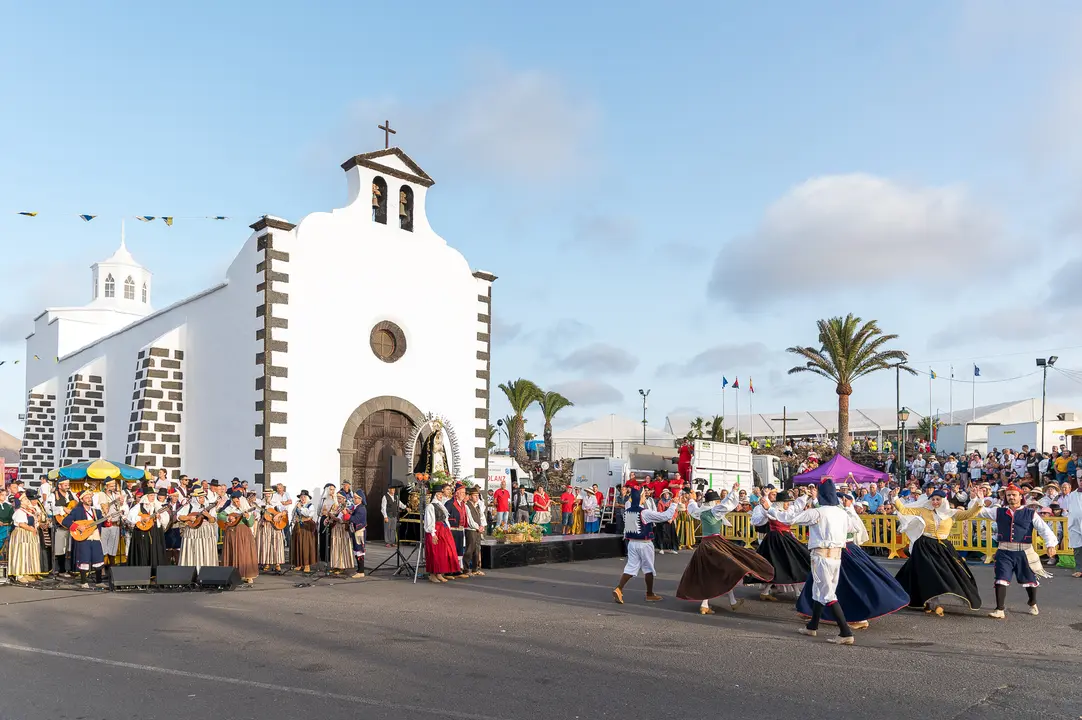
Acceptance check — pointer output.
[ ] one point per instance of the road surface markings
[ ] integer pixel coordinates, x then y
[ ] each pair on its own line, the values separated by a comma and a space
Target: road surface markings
442, 712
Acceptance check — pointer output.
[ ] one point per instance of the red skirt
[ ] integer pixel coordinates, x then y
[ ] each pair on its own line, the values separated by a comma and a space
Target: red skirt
441, 557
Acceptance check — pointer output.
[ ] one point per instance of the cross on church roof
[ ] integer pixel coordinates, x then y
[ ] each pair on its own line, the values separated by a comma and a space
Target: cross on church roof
387, 133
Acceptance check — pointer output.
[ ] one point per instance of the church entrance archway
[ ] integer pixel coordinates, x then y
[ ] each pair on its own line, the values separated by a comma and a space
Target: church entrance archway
376, 431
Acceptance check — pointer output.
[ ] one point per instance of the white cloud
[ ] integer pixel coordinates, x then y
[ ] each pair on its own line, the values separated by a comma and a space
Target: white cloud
844, 232
504, 332
585, 393
1008, 325
599, 358
718, 359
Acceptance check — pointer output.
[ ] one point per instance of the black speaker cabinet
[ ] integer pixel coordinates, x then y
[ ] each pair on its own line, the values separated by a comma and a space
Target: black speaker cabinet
122, 576
175, 575
219, 578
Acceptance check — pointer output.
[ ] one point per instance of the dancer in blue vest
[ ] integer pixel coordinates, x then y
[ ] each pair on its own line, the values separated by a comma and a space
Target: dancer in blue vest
639, 533
1014, 531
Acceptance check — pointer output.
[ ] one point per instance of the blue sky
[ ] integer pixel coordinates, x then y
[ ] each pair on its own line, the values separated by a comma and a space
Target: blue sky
666, 197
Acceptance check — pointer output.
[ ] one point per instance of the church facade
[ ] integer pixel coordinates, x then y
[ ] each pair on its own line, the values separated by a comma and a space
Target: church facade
330, 346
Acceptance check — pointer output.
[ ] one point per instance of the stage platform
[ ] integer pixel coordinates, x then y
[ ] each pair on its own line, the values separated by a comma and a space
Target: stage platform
551, 549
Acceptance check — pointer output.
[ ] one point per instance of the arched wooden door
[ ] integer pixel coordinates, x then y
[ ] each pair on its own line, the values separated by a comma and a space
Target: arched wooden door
381, 435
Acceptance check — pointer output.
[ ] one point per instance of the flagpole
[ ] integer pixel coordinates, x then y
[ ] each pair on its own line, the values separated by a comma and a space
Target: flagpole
931, 418
950, 401
724, 435
751, 414
973, 397
737, 389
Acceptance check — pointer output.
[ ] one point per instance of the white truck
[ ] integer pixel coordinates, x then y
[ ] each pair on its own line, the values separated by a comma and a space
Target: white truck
1016, 435
605, 472
727, 466
505, 468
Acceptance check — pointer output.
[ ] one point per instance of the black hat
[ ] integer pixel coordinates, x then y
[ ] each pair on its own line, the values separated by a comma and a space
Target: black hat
31, 494
711, 496
304, 493
782, 496
473, 490
235, 494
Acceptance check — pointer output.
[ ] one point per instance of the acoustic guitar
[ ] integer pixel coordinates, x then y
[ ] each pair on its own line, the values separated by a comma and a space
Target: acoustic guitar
83, 530
193, 521
230, 521
145, 522
278, 520
67, 509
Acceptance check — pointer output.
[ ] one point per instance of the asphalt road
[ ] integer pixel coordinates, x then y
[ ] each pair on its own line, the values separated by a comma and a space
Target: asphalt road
540, 642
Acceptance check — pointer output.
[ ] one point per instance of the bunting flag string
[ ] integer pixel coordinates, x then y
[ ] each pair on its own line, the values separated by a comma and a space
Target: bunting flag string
167, 219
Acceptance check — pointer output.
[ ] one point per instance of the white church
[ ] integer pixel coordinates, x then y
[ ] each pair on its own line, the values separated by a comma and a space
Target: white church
330, 346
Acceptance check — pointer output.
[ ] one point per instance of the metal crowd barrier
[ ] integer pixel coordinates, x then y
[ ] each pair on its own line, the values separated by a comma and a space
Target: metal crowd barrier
977, 535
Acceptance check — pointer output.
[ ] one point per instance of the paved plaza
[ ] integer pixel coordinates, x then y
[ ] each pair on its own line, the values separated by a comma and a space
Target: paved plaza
538, 642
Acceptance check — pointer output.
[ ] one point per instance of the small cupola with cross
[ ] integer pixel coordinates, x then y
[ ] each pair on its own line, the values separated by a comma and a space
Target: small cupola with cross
390, 184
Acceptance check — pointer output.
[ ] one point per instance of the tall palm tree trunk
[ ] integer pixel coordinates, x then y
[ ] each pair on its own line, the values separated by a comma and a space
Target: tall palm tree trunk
548, 442
519, 446
844, 442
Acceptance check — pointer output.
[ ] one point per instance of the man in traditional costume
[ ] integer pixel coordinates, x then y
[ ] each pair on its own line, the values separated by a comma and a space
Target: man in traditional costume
86, 554
56, 504
390, 507
457, 519
302, 541
865, 590
789, 557
1014, 532
934, 567
1072, 505
475, 532
639, 534
147, 547
828, 527
718, 565
439, 547
200, 545
358, 526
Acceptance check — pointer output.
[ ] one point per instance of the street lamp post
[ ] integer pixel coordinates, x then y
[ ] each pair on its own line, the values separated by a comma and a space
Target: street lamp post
645, 394
1044, 365
903, 415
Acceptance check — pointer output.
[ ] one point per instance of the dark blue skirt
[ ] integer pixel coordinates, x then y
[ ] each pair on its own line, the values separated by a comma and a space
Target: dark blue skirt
173, 540
865, 590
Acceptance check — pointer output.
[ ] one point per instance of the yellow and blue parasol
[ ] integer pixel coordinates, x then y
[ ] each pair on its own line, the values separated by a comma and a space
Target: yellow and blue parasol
99, 470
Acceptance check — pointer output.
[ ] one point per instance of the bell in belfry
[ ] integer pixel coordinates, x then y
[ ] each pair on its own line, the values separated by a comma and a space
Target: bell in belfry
403, 204
376, 195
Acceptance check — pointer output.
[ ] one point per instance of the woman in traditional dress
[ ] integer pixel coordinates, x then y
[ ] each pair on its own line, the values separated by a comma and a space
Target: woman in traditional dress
36, 507
115, 509
270, 542
934, 567
199, 547
865, 590
147, 547
441, 558
578, 516
302, 541
341, 538
789, 557
685, 524
173, 531
86, 554
24, 555
322, 517
238, 542
718, 565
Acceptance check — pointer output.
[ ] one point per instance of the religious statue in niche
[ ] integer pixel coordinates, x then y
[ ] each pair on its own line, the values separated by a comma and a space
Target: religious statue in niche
433, 453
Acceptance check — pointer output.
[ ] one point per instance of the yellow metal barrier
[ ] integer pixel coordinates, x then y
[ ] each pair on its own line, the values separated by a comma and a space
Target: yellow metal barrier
977, 535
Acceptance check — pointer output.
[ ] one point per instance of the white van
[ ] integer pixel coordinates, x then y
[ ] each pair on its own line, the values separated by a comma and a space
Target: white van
605, 472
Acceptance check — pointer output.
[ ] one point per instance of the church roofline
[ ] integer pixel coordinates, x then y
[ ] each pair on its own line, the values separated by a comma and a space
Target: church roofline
418, 175
144, 319
484, 275
269, 221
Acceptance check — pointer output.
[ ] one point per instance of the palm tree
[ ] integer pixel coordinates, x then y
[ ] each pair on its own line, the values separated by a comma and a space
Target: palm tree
717, 428
695, 430
849, 349
926, 427
521, 394
551, 403
491, 435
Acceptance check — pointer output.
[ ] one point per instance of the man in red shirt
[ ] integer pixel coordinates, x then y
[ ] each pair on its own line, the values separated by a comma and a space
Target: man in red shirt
502, 498
567, 509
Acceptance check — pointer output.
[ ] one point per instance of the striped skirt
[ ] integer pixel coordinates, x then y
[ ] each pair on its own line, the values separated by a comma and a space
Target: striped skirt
270, 544
342, 548
24, 553
200, 546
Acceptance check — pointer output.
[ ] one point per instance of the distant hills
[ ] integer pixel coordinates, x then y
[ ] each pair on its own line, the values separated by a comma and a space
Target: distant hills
9, 448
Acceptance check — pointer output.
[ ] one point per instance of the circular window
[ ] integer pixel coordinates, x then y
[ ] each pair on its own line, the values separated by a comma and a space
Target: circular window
388, 342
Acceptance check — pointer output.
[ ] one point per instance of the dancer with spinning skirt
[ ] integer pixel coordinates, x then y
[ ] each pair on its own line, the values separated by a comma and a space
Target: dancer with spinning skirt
718, 565
789, 557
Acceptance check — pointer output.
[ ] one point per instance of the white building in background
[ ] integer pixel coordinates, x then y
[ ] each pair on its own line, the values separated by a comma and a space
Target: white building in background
608, 436
330, 346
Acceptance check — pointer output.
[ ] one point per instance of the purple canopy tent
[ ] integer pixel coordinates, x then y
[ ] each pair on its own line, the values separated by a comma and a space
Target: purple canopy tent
839, 467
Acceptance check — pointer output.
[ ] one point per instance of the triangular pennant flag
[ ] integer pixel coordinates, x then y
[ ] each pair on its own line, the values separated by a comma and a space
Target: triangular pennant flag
976, 371
36, 357
933, 373
724, 382
15, 363
736, 384
144, 218
2, 362
751, 389
168, 220
87, 218
29, 214
219, 217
